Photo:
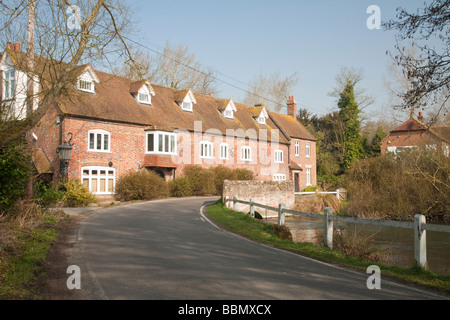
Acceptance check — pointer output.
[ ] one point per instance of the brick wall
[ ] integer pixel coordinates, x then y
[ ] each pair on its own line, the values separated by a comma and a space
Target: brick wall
269, 193
304, 161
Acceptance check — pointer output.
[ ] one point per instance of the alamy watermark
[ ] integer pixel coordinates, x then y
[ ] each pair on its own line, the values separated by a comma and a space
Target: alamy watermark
74, 281
374, 281
374, 21
74, 21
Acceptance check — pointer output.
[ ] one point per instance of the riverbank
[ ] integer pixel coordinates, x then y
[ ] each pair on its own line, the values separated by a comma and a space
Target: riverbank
246, 226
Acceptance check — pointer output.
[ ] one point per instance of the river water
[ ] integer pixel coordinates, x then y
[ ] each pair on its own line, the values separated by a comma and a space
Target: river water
398, 242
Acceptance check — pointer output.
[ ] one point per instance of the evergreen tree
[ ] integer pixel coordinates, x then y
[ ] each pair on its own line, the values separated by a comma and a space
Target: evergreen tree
349, 112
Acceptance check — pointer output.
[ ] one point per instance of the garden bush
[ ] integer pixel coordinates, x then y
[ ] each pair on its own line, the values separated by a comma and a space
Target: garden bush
46, 195
399, 187
141, 185
180, 188
77, 195
15, 170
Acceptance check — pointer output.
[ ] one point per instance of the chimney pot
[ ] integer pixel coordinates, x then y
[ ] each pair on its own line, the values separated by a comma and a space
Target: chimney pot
292, 107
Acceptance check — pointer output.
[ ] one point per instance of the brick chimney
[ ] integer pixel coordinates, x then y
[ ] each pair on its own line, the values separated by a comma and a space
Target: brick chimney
292, 107
8, 45
420, 118
16, 47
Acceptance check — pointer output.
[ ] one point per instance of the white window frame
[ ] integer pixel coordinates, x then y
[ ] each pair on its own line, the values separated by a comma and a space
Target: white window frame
308, 149
9, 84
224, 151
297, 148
90, 177
279, 156
261, 120
83, 85
308, 175
187, 105
279, 177
102, 133
228, 113
206, 150
144, 98
246, 153
164, 143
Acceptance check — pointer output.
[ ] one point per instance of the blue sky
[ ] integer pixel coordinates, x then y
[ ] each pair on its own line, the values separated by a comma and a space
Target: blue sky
241, 39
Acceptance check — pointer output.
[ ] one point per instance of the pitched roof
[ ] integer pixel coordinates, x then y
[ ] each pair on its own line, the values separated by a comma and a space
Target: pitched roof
113, 101
410, 125
291, 127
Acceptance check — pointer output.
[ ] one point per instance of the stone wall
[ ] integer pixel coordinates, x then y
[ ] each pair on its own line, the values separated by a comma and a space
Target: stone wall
269, 193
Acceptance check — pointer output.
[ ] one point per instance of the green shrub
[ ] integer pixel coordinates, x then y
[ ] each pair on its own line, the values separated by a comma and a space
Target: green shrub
415, 182
201, 180
244, 174
15, 171
180, 188
141, 185
77, 195
222, 173
46, 194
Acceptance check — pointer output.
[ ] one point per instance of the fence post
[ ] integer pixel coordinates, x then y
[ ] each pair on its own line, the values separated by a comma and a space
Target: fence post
234, 203
338, 195
420, 241
281, 215
252, 208
328, 228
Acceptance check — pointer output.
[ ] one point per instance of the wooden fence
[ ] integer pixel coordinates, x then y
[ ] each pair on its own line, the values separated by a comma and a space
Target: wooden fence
419, 225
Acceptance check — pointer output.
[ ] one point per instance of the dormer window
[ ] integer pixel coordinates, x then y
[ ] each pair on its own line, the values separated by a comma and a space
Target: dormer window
230, 110
186, 100
87, 80
261, 120
142, 91
87, 86
144, 98
186, 106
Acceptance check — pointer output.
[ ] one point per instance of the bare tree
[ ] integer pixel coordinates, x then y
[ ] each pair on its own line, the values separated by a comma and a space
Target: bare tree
175, 67
66, 34
270, 89
429, 72
353, 77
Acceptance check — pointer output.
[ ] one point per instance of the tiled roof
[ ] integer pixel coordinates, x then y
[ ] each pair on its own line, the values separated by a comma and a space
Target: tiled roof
113, 101
291, 127
41, 162
410, 125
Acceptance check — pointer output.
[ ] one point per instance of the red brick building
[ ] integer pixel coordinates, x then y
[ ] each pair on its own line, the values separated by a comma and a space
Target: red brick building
414, 133
117, 125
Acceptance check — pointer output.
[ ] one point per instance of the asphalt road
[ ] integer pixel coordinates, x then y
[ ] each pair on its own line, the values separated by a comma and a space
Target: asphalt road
168, 250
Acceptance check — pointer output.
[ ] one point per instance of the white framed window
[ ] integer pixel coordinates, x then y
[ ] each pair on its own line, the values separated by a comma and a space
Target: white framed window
297, 148
279, 177
9, 78
87, 86
261, 120
246, 153
278, 156
144, 98
228, 114
161, 143
99, 141
187, 106
308, 149
224, 151
206, 150
308, 176
99, 180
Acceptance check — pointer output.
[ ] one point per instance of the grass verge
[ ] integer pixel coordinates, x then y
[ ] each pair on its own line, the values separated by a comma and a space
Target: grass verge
25, 242
246, 226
